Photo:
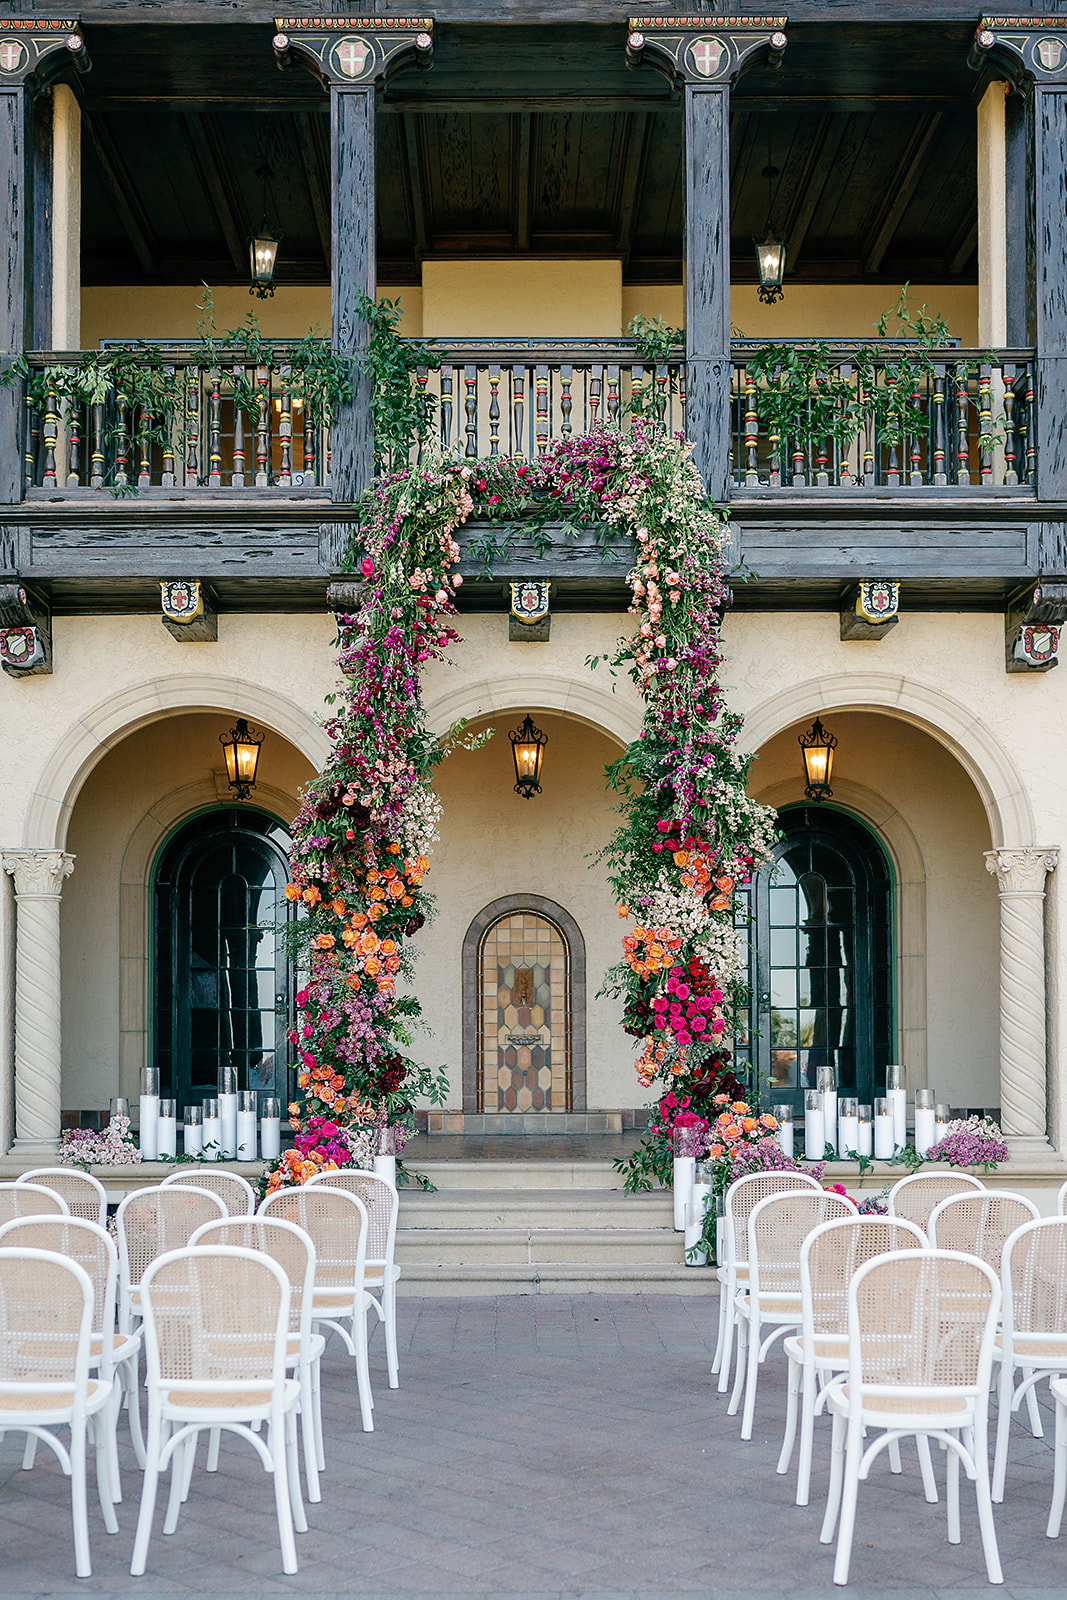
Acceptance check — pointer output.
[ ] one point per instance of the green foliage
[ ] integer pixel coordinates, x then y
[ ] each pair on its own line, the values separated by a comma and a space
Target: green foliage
402, 410
657, 344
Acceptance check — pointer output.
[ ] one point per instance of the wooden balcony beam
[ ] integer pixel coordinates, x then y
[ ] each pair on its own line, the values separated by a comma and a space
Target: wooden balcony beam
901, 188
203, 145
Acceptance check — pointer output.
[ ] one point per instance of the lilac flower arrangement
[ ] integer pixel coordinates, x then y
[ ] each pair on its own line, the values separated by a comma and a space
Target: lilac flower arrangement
114, 1146
971, 1142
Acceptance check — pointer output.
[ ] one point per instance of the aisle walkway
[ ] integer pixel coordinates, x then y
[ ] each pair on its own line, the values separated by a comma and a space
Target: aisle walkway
539, 1446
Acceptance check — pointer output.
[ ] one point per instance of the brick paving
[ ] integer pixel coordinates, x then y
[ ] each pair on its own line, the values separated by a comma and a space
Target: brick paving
539, 1446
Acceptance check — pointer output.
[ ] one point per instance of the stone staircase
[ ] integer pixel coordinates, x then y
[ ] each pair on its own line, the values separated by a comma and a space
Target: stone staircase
539, 1227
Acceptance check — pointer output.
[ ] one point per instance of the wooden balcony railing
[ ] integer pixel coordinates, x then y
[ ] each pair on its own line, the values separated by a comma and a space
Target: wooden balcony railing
885, 415
183, 423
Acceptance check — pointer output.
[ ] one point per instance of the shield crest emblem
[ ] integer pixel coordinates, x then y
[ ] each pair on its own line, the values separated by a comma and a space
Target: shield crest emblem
707, 56
20, 648
181, 599
1040, 643
529, 601
351, 57
878, 600
1049, 53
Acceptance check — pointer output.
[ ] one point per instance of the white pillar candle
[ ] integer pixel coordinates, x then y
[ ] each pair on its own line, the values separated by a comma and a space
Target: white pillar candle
883, 1130
148, 1127
897, 1094
848, 1129
167, 1128
228, 1125
193, 1131
784, 1117
212, 1131
814, 1140
829, 1117
866, 1144
246, 1125
684, 1172
270, 1128
942, 1118
694, 1227
924, 1120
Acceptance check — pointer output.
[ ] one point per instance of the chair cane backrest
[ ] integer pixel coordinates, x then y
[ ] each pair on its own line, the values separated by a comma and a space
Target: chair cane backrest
337, 1224
235, 1192
30, 1200
46, 1313
980, 1224
1061, 1200
282, 1241
91, 1246
777, 1229
216, 1317
916, 1197
1034, 1274
153, 1222
830, 1256
922, 1320
745, 1193
383, 1207
85, 1195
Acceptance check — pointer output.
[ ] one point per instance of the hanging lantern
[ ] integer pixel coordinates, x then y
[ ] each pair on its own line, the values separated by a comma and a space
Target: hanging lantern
263, 253
528, 750
818, 746
241, 745
770, 264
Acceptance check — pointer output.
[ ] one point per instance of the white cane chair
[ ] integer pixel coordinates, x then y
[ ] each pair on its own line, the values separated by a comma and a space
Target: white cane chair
30, 1200
235, 1192
1058, 1386
1061, 1200
740, 1197
337, 1224
916, 1197
382, 1201
85, 1195
216, 1328
294, 1252
151, 1223
1033, 1335
828, 1257
46, 1329
921, 1325
777, 1227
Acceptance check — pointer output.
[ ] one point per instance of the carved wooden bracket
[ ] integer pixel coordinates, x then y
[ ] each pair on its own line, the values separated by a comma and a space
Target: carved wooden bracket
870, 609
706, 50
28, 43
1027, 50
189, 613
351, 52
1032, 622
530, 617
25, 631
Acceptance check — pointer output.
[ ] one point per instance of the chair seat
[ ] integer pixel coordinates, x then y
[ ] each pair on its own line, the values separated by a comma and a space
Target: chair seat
43, 1405
891, 1405
316, 1346
1033, 1350
119, 1342
178, 1401
333, 1299
787, 1306
827, 1348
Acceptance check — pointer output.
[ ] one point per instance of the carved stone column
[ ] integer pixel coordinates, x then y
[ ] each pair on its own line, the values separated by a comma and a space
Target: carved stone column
38, 876
1020, 876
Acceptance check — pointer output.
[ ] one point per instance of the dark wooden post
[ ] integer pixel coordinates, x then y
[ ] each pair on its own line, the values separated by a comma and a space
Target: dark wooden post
351, 56
704, 56
1031, 52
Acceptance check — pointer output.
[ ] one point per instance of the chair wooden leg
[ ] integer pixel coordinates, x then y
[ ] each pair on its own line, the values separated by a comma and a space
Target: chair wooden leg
807, 1435
29, 1454
78, 1502
149, 1490
849, 1497
926, 1467
743, 1331
366, 1403
1033, 1410
751, 1380
213, 1440
308, 1436
389, 1307
178, 1462
1000, 1460
133, 1407
952, 1496
296, 1499
1059, 1473
716, 1360
837, 1471
796, 1378
985, 1503
730, 1328
280, 1474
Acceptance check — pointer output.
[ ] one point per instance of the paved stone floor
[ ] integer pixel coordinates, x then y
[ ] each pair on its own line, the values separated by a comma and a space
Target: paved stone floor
539, 1446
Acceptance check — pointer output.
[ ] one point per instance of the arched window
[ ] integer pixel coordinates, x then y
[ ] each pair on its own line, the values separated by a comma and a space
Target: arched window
821, 963
222, 980
524, 1008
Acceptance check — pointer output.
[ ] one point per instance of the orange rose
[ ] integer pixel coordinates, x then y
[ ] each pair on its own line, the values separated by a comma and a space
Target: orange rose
324, 941
312, 895
681, 858
372, 966
292, 892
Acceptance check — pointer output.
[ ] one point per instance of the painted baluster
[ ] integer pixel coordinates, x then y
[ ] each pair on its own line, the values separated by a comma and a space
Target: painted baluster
262, 427
96, 480
470, 406
663, 397
596, 390
940, 475
542, 425
237, 476
867, 473
566, 378
192, 425
144, 447
422, 379
311, 454
29, 450
51, 435
822, 463
751, 427
681, 398
637, 389
166, 476
122, 437
285, 428
963, 398
518, 408
494, 410
1008, 377
915, 460
446, 409
892, 476
74, 445
214, 432
1028, 425
985, 422
844, 469
613, 394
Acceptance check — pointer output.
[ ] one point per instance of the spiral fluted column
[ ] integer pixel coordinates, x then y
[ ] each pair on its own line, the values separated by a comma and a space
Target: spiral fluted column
38, 876
1020, 876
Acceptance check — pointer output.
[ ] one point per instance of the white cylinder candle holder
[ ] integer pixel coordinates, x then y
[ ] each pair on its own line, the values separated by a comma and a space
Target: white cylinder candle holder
826, 1080
270, 1128
814, 1135
228, 1112
247, 1118
848, 1128
385, 1167
783, 1115
120, 1107
896, 1093
167, 1129
148, 1128
212, 1135
924, 1120
866, 1131
694, 1227
193, 1131
942, 1118
684, 1172
883, 1130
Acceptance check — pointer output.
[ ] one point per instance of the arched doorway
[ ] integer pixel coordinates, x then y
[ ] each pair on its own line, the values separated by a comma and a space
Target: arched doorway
222, 990
821, 958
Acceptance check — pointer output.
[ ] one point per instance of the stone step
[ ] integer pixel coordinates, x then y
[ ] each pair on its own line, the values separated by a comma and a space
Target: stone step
523, 1246
564, 1173
453, 1280
533, 1208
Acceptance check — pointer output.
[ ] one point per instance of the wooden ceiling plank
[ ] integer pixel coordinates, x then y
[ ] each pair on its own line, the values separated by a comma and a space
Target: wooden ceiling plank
633, 166
523, 145
204, 151
963, 245
902, 186
316, 178
416, 188
824, 154
120, 187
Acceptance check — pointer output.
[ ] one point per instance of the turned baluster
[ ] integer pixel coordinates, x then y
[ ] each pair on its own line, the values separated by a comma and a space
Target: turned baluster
596, 388
285, 427
542, 422
822, 462
470, 406
751, 428
637, 389
494, 410
963, 397
867, 412
518, 408
50, 435
446, 409
774, 440
662, 377
166, 477
214, 432
122, 437
892, 476
985, 422
192, 425
237, 476
566, 378
915, 460
844, 470
262, 427
144, 446
1008, 376
613, 394
96, 466
940, 475
422, 379
74, 445
29, 451
311, 462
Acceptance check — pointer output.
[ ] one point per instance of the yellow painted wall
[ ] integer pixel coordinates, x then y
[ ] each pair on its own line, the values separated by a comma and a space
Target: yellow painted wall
522, 299
666, 300
847, 310
139, 312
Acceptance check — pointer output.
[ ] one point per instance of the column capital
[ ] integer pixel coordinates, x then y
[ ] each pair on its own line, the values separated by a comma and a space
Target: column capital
38, 874
705, 51
1022, 871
